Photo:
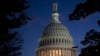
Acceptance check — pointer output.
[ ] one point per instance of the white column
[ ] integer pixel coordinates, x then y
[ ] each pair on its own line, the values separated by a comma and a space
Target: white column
62, 51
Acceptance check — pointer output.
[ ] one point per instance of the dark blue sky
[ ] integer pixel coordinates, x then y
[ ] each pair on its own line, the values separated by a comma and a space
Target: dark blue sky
40, 12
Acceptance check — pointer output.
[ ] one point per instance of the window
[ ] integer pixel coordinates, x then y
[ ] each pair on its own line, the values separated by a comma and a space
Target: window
47, 41
59, 40
65, 41
56, 40
62, 40
50, 41
43, 42
53, 41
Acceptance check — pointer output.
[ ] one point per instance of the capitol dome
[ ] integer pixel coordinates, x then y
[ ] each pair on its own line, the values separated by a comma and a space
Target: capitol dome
55, 29
56, 34
55, 39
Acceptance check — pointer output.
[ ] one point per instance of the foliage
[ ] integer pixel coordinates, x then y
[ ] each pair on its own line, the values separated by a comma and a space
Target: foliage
92, 43
12, 16
82, 10
92, 38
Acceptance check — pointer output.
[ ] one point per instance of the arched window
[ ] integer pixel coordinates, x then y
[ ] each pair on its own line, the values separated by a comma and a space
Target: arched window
47, 41
62, 40
56, 40
65, 41
53, 41
51, 30
59, 40
50, 41
43, 43
69, 41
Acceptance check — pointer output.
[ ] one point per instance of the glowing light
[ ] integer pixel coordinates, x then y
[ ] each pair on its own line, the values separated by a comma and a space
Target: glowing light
52, 52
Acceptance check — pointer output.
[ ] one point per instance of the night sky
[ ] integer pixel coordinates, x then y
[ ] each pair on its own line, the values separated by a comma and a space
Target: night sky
40, 12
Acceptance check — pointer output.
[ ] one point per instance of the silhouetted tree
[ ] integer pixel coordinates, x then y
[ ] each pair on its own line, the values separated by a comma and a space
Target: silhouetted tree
12, 16
92, 38
91, 43
82, 10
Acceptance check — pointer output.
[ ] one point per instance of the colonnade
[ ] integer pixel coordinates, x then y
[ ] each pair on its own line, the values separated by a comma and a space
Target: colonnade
56, 52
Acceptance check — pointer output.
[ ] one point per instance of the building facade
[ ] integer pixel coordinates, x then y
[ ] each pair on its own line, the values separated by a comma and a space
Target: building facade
55, 40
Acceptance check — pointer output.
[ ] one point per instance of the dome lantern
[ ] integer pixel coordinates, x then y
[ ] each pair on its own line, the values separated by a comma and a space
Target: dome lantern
55, 14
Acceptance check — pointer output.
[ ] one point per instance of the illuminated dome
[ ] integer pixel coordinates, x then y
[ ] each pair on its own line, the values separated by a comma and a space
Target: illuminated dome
57, 35
55, 40
55, 29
